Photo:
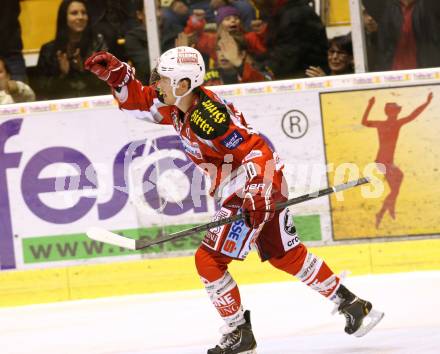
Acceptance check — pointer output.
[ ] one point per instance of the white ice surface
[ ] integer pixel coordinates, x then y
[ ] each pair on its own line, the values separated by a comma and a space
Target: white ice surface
287, 318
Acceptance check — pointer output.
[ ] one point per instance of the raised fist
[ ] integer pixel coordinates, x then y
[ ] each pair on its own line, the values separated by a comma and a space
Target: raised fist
109, 69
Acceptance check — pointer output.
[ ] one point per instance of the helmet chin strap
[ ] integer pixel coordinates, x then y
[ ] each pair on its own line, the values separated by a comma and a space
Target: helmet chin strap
178, 98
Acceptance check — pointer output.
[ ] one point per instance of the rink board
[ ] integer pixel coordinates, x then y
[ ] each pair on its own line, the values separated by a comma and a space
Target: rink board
174, 274
72, 164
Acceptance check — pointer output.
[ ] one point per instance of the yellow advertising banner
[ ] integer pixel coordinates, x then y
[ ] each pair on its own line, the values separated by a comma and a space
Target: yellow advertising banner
393, 136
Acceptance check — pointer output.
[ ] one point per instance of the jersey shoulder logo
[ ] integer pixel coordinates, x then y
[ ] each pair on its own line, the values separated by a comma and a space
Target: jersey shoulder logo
210, 119
233, 140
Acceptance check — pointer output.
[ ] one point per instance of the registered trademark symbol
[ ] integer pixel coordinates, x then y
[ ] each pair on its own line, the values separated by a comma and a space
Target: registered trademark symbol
295, 124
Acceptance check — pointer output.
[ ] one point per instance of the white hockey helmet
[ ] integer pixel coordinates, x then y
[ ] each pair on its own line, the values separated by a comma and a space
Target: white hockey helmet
182, 63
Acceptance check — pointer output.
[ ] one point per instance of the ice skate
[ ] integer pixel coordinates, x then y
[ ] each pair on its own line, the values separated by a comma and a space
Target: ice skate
359, 314
239, 341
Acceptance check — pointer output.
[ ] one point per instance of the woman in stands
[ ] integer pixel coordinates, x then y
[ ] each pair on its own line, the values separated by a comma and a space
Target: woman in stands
60, 64
339, 56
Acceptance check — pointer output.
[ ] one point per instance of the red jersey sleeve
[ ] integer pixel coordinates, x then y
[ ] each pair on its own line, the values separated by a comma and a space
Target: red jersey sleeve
143, 102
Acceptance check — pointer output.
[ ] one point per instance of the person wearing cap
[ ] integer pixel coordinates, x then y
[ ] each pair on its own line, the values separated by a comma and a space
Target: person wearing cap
248, 11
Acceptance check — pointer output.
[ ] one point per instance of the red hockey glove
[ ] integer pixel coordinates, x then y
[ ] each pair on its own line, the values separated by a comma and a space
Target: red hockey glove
109, 69
258, 204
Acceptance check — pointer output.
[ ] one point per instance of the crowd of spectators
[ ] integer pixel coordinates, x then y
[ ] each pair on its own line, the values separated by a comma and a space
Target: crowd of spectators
241, 41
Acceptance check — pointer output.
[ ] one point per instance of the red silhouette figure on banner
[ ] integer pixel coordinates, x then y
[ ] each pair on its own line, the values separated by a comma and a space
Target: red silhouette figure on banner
388, 132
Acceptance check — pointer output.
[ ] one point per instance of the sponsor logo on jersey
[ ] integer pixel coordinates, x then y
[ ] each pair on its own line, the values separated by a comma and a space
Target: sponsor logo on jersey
235, 238
191, 148
216, 110
233, 140
210, 119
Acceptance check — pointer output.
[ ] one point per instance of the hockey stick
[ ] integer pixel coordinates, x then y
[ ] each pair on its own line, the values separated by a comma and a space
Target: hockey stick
103, 235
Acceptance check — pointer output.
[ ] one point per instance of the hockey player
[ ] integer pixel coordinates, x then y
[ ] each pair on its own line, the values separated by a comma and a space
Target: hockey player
246, 176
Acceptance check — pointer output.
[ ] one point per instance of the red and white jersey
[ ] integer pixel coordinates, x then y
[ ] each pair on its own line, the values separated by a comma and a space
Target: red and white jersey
214, 134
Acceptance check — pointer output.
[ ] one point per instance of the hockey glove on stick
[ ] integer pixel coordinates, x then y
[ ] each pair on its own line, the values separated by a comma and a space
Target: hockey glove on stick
109, 69
258, 204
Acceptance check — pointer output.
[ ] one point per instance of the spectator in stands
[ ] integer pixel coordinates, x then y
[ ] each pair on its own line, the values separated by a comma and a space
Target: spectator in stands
60, 64
248, 12
370, 28
339, 56
113, 19
136, 43
374, 7
408, 35
228, 20
204, 5
10, 39
370, 24
177, 13
12, 91
234, 65
296, 38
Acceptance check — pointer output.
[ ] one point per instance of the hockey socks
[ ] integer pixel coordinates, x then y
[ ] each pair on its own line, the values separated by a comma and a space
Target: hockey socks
316, 274
225, 296
222, 289
308, 268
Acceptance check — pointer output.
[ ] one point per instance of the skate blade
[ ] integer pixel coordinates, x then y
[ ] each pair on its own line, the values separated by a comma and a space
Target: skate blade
369, 322
252, 351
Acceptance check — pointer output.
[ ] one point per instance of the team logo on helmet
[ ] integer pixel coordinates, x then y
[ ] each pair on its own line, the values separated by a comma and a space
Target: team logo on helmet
187, 58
